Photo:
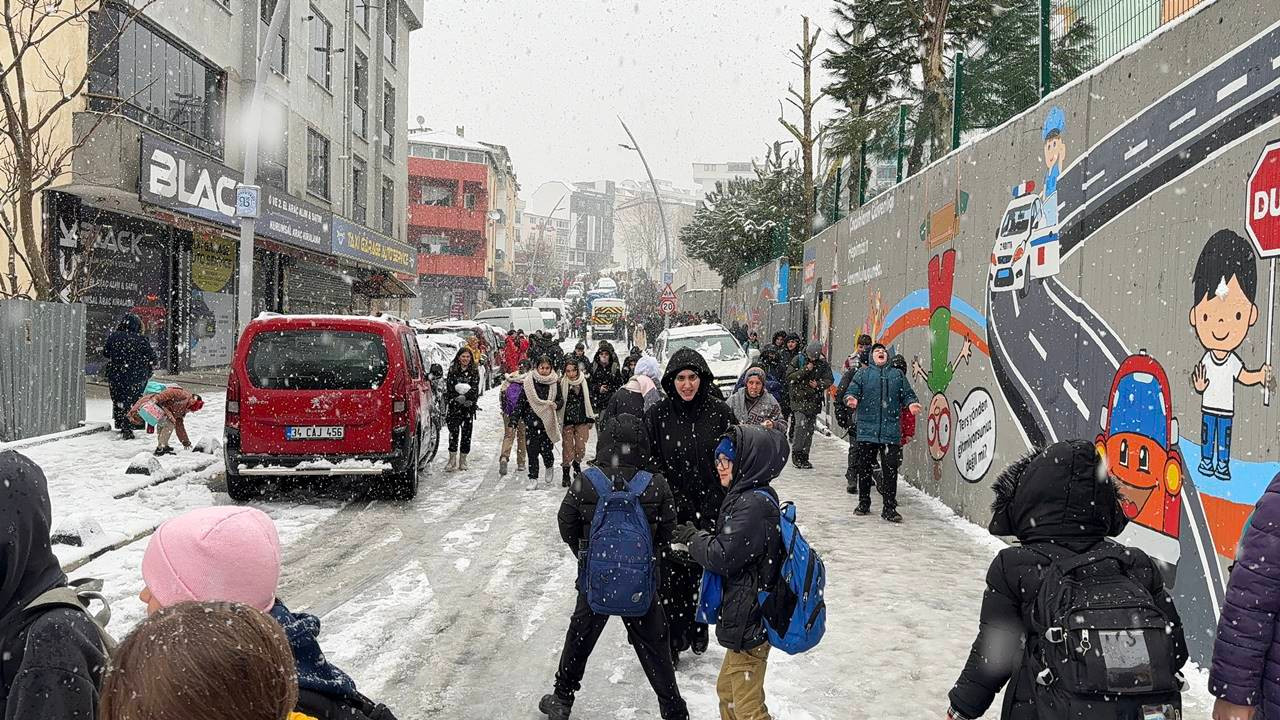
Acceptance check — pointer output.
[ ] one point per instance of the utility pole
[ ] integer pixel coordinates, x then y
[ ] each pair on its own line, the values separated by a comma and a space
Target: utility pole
662, 214
805, 101
957, 102
1045, 41
244, 304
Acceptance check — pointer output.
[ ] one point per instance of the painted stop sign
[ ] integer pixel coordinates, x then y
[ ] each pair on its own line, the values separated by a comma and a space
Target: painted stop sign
1262, 217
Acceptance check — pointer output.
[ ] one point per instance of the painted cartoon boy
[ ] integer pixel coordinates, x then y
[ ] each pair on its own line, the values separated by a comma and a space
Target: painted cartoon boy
1225, 283
1055, 157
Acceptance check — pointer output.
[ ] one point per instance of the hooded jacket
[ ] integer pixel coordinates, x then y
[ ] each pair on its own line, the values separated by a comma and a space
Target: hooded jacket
805, 398
622, 449
605, 380
882, 392
459, 408
755, 411
130, 358
1054, 497
1246, 653
324, 691
51, 660
683, 437
746, 548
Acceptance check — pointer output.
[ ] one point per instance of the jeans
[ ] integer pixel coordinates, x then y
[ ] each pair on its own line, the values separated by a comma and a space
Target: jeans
890, 457
1215, 430
648, 635
803, 435
462, 429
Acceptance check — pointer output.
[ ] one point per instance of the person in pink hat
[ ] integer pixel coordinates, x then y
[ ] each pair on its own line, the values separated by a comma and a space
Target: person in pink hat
232, 554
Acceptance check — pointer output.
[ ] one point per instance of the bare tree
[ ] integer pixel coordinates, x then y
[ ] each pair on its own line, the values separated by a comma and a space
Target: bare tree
805, 101
38, 86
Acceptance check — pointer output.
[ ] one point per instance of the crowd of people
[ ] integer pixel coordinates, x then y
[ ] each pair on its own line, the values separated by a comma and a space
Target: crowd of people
1063, 610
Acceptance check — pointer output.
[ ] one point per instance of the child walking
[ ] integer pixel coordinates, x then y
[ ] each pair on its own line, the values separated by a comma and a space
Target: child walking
512, 427
576, 417
539, 408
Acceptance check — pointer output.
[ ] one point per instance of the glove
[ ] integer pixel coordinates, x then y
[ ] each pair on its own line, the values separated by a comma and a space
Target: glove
683, 533
953, 714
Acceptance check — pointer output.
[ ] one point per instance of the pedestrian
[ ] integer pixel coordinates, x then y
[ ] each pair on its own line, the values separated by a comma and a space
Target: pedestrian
807, 385
753, 405
622, 451
216, 661
845, 417
639, 393
629, 366
745, 550
539, 408
793, 353
640, 338
166, 411
878, 393
479, 348
231, 554
512, 426
461, 391
779, 341
576, 417
511, 354
51, 657
524, 345
1062, 508
579, 355
606, 375
753, 340
130, 363
684, 428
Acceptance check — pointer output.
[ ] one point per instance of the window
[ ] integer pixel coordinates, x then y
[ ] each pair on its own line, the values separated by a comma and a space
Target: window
359, 191
280, 54
458, 155
469, 201
361, 14
360, 96
321, 50
317, 164
388, 206
475, 157
388, 119
273, 145
317, 360
430, 193
144, 75
390, 8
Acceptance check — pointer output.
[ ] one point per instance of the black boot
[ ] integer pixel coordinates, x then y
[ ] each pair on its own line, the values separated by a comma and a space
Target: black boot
698, 639
126, 433
555, 707
864, 507
565, 481
577, 468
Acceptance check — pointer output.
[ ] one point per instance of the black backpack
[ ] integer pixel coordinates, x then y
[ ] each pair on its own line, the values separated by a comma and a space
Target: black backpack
844, 416
1100, 646
322, 706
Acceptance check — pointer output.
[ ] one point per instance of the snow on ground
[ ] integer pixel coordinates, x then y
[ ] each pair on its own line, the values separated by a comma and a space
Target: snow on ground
456, 604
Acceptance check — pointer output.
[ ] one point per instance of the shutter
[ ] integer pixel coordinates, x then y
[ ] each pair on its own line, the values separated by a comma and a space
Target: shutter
311, 288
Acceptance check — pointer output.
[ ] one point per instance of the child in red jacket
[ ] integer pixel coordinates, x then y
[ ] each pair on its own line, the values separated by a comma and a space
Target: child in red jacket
906, 421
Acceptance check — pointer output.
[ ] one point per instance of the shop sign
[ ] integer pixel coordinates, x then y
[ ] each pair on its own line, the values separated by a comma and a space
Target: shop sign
361, 243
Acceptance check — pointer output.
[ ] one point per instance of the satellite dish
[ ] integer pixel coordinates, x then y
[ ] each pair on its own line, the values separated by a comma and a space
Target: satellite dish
421, 121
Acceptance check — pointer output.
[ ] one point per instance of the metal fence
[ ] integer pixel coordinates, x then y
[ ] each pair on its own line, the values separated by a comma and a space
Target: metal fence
1117, 24
41, 368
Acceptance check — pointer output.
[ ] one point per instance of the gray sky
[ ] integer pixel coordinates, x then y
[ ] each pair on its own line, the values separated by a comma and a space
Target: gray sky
696, 80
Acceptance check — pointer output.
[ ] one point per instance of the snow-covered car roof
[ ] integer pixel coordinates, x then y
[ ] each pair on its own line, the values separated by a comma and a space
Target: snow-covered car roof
695, 331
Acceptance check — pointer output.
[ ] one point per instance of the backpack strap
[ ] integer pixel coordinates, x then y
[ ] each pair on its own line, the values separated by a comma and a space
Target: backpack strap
640, 482
78, 594
769, 497
598, 480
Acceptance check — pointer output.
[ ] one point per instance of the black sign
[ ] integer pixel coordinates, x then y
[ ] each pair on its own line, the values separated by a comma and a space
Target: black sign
176, 177
293, 221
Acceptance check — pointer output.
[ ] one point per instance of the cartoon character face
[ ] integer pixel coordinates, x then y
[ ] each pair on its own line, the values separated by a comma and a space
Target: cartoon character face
1055, 151
939, 426
1223, 318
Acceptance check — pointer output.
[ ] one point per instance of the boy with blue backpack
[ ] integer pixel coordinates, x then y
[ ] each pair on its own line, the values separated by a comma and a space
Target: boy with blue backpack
615, 519
764, 584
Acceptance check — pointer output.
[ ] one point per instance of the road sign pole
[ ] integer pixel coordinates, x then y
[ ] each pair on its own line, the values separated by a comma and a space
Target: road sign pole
1271, 321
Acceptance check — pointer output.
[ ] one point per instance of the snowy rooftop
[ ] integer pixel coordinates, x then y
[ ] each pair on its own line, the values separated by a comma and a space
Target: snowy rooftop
447, 139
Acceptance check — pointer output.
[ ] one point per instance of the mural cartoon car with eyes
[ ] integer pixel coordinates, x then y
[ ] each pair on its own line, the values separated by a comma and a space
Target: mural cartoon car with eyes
1139, 441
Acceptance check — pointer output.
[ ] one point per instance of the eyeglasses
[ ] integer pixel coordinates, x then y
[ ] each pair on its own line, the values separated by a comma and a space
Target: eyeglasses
723, 463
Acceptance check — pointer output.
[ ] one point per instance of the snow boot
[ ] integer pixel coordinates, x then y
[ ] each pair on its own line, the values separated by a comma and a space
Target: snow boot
577, 468
555, 707
126, 434
462, 461
565, 481
164, 450
698, 639
502, 467
453, 462
863, 508
891, 516
532, 484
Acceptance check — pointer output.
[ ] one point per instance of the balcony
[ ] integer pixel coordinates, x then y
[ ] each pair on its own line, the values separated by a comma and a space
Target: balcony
454, 265
438, 217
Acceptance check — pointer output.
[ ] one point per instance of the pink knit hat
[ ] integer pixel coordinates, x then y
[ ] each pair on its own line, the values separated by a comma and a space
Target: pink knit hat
227, 553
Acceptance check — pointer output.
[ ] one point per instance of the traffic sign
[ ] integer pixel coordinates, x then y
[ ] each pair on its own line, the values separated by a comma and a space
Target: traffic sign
1262, 219
668, 278
667, 301
248, 200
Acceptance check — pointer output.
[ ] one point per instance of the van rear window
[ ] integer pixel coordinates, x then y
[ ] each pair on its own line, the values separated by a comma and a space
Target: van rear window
317, 360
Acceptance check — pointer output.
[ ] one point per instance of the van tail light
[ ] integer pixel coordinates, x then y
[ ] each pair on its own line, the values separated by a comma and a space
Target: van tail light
233, 400
400, 403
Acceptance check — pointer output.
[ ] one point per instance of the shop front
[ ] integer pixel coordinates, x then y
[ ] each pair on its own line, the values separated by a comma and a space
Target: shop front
381, 267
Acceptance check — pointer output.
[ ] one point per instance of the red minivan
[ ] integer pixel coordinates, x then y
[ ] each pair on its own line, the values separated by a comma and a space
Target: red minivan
319, 395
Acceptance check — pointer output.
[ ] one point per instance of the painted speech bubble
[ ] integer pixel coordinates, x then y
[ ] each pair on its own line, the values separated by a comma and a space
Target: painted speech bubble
975, 435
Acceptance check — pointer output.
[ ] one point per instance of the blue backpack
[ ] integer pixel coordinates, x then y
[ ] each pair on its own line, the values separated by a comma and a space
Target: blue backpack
619, 576
794, 612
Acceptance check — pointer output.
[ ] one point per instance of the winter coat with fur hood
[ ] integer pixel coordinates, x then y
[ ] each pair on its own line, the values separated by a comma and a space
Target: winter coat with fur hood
1056, 496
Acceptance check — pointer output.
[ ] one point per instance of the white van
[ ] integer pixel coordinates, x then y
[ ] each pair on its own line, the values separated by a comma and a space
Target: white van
513, 318
555, 306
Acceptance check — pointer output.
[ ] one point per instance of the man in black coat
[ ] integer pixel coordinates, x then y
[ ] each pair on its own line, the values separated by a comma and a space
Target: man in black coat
746, 552
622, 449
1054, 503
130, 362
684, 429
52, 658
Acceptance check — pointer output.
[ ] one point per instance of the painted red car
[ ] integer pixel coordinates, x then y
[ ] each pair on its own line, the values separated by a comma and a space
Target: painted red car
318, 395
1139, 440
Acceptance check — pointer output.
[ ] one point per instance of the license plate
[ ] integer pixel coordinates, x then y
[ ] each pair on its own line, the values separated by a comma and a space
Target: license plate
1003, 274
314, 432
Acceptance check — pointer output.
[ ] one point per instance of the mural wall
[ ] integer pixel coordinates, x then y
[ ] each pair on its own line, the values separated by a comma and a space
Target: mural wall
1096, 269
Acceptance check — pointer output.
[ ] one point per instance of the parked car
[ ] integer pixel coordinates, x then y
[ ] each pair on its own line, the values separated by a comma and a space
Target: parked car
725, 356
316, 395
527, 319
491, 367
557, 307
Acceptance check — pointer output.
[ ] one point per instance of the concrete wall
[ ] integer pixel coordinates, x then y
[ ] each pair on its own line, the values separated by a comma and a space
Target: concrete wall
1154, 152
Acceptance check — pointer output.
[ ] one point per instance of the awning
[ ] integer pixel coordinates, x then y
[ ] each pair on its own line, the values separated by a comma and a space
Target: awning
380, 284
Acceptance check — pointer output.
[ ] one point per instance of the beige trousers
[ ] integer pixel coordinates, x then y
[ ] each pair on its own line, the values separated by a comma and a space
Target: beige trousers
741, 684
575, 443
514, 434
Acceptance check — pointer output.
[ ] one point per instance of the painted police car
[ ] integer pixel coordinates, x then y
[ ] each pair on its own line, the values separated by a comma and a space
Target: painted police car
1026, 246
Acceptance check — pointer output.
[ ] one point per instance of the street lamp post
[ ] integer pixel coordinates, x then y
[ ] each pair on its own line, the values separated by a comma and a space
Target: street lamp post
662, 215
244, 309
